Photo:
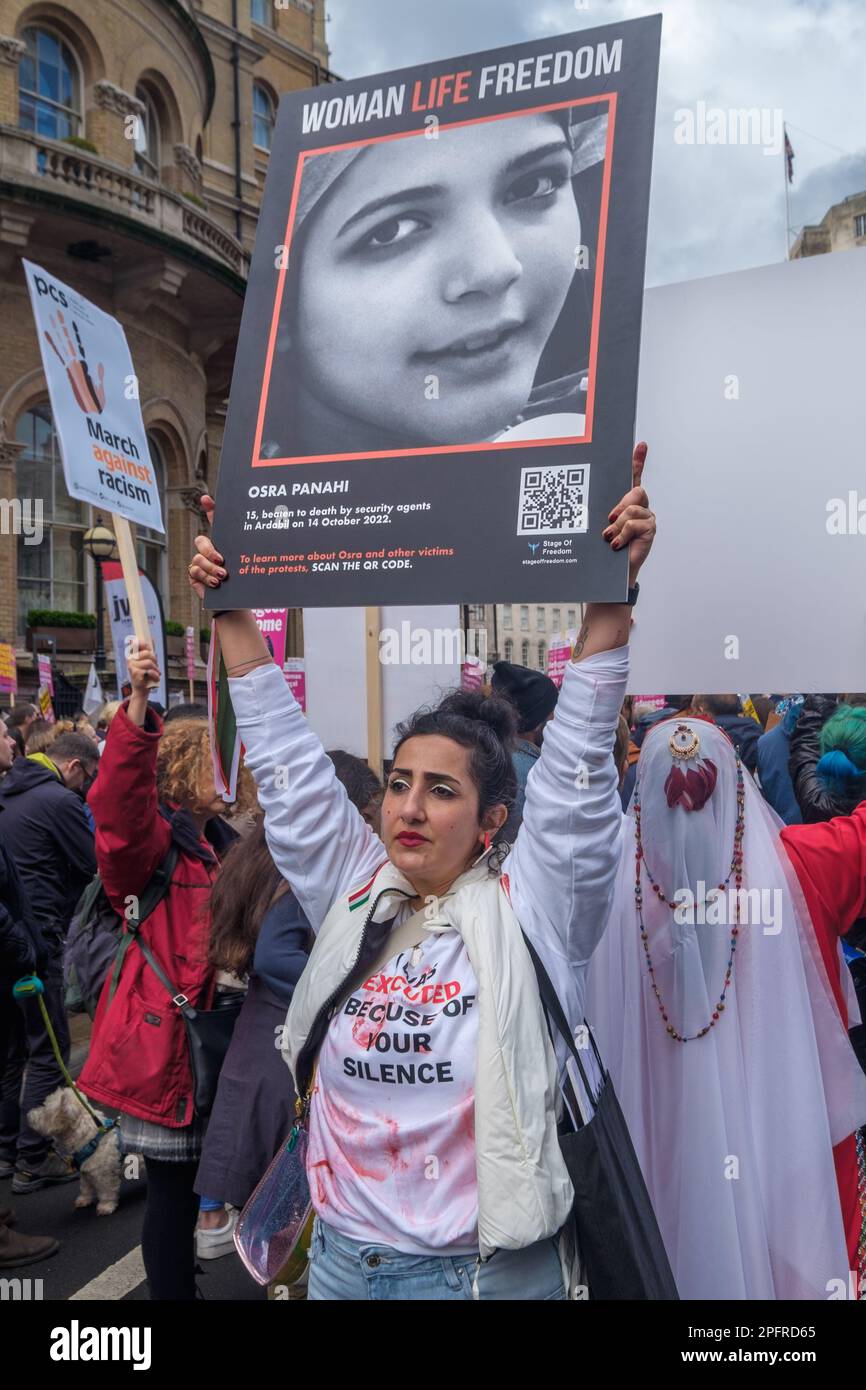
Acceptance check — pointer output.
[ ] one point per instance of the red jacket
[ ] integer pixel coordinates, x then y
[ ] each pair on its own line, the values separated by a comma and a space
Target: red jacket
830, 862
139, 1059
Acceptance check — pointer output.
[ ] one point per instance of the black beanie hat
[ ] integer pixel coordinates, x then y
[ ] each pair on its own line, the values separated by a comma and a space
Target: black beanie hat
534, 694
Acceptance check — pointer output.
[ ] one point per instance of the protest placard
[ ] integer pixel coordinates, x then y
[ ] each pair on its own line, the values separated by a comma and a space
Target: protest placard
123, 626
45, 694
8, 669
94, 401
434, 391
97, 418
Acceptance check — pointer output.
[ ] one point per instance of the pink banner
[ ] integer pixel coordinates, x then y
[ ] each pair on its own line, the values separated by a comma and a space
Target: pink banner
471, 674
46, 678
296, 679
272, 625
652, 701
8, 669
557, 657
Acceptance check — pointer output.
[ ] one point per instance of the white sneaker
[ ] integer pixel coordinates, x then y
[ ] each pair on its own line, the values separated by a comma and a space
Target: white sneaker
210, 1245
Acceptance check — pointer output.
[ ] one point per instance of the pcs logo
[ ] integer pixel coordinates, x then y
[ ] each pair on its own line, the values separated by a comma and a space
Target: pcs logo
43, 287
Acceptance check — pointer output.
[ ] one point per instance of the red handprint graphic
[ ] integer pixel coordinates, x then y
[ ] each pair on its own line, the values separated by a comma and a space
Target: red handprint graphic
90, 398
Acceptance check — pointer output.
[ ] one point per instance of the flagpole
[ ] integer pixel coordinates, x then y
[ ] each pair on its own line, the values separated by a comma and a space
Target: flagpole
787, 200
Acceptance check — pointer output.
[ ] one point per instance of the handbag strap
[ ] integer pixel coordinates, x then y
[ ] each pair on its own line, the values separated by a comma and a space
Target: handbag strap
155, 890
554, 1010
177, 997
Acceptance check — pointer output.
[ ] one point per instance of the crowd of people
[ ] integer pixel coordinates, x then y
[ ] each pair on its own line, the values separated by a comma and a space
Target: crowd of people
690, 870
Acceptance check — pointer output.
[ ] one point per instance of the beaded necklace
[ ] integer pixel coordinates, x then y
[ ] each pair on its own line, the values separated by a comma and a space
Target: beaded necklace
735, 871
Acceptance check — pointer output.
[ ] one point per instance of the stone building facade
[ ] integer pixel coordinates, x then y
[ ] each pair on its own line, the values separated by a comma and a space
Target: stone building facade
134, 140
519, 632
842, 227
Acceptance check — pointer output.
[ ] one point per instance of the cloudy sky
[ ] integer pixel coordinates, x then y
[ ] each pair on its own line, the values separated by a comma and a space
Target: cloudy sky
714, 208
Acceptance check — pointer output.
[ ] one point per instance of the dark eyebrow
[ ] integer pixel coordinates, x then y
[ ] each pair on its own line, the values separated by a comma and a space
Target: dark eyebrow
430, 776
521, 161
425, 191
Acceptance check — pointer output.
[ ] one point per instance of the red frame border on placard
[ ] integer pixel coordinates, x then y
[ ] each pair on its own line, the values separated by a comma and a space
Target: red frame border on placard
258, 462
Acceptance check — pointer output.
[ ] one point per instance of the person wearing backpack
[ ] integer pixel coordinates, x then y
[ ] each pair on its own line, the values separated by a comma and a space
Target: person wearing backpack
156, 795
46, 831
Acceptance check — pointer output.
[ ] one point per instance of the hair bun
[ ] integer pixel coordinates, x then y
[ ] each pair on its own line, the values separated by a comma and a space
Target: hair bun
836, 766
494, 711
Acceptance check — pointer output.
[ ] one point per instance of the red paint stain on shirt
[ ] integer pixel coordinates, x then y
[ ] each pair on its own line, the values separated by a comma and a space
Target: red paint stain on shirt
321, 1195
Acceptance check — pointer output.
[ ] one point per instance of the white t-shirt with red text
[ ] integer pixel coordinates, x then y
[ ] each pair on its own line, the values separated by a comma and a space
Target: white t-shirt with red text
391, 1157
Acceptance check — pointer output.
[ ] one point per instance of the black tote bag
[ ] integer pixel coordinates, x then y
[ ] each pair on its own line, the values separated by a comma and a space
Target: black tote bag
619, 1241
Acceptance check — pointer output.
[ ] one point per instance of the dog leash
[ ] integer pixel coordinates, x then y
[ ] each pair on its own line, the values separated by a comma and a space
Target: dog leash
28, 987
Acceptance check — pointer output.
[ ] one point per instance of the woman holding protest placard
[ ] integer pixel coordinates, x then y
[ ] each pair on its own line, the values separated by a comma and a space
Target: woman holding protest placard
416, 1035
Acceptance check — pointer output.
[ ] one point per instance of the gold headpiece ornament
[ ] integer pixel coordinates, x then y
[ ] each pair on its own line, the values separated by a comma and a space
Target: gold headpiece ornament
684, 742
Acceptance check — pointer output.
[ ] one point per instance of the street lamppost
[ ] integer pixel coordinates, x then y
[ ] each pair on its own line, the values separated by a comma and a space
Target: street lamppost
100, 545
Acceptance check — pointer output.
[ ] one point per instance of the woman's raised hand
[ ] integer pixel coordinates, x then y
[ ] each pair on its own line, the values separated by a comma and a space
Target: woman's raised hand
631, 523
206, 567
142, 667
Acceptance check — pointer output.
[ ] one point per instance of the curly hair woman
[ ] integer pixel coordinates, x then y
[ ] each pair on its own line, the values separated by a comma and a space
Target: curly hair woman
156, 792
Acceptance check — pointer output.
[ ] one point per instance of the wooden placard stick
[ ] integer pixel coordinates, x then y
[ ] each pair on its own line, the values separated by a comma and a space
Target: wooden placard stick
131, 578
374, 690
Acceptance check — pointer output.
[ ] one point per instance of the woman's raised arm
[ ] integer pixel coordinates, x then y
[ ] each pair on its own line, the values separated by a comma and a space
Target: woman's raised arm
318, 840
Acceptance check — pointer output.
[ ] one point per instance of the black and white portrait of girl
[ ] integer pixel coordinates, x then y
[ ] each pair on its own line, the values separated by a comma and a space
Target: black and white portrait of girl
439, 291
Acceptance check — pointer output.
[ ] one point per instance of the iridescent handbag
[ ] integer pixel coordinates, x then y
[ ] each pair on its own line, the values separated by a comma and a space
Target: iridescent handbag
274, 1229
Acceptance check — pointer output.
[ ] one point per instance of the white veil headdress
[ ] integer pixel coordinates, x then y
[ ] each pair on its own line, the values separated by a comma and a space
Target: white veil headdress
734, 1130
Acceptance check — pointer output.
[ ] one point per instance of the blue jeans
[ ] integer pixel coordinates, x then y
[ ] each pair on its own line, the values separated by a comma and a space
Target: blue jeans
342, 1269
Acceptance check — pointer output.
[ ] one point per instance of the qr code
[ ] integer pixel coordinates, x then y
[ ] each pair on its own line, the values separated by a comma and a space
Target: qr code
553, 500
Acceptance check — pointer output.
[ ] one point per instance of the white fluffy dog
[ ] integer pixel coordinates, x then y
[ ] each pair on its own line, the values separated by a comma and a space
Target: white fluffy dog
64, 1119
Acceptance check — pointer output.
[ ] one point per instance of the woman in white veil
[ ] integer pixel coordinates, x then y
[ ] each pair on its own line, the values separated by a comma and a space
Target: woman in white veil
715, 1016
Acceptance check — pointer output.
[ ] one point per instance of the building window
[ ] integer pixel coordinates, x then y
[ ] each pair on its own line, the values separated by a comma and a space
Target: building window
50, 575
539, 618
262, 13
506, 615
524, 617
542, 655
49, 86
860, 224
147, 137
151, 546
509, 649
263, 117
557, 619
476, 613
572, 619
524, 653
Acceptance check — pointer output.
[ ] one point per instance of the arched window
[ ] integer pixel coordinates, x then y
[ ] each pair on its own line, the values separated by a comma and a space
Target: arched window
542, 655
151, 546
147, 136
263, 117
49, 86
524, 653
509, 649
50, 575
